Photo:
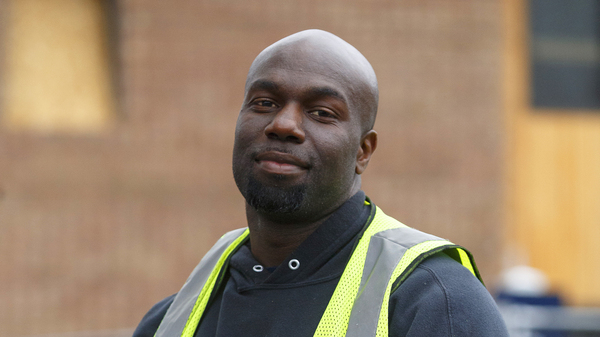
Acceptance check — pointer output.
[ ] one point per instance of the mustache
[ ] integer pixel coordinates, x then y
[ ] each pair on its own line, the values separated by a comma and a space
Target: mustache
255, 153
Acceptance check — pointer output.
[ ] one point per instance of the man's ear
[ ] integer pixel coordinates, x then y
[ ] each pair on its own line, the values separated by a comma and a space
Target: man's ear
367, 147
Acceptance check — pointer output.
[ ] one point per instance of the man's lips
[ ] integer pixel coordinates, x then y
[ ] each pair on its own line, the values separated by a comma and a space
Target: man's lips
280, 163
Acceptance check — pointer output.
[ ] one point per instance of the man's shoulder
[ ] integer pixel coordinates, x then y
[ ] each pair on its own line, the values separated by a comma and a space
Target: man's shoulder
443, 272
441, 290
149, 324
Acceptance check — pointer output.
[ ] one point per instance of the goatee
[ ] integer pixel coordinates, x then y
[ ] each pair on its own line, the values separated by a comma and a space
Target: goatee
272, 199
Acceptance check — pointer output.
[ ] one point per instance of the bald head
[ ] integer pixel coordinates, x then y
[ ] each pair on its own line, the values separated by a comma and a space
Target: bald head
320, 52
304, 133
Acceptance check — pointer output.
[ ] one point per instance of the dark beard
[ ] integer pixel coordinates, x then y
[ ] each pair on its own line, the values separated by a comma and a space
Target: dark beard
270, 199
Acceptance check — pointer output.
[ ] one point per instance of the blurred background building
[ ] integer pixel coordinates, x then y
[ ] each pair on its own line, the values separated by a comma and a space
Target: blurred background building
117, 120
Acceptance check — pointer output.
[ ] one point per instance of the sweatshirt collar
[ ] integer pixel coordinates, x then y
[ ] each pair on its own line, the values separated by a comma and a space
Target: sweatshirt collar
321, 256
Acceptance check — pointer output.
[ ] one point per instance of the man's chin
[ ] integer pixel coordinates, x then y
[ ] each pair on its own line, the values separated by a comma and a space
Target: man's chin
272, 199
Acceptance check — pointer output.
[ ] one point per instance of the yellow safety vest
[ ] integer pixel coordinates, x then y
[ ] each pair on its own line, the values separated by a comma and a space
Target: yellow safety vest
387, 251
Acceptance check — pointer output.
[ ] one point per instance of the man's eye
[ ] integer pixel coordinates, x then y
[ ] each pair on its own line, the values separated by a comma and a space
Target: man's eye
321, 113
265, 103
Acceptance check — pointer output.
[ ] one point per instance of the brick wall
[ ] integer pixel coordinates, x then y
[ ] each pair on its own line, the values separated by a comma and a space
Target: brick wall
95, 229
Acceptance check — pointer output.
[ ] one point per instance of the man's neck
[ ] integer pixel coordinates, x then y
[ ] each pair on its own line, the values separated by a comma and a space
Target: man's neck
272, 242
273, 239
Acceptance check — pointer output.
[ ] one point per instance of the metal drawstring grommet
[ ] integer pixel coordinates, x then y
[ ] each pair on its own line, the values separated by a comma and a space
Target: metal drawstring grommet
294, 264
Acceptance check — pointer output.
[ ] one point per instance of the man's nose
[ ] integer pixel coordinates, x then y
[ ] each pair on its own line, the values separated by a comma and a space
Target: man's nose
287, 125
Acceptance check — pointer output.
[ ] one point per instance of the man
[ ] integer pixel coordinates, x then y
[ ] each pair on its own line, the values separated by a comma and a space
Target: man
319, 257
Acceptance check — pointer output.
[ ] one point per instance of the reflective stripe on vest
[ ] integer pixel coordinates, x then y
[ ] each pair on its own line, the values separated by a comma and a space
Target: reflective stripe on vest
187, 308
384, 256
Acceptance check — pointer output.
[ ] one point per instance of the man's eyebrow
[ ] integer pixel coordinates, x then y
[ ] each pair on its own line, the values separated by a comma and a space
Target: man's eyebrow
264, 85
326, 91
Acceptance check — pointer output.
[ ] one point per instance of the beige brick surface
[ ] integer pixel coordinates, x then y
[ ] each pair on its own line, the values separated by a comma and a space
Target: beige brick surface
94, 230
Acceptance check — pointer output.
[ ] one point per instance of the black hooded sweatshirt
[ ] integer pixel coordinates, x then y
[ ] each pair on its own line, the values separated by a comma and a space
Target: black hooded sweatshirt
439, 298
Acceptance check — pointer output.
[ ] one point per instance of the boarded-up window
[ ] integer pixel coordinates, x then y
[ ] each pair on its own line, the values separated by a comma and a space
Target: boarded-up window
57, 76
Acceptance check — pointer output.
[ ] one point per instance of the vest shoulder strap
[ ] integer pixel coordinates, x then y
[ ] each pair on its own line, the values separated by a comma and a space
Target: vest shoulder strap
187, 308
387, 252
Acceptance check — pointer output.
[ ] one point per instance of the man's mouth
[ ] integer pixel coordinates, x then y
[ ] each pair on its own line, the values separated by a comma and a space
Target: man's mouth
280, 163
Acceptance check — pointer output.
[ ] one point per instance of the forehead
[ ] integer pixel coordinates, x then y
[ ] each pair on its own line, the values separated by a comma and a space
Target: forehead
300, 83
303, 68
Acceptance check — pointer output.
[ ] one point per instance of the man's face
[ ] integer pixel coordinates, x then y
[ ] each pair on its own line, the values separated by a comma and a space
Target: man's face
297, 137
